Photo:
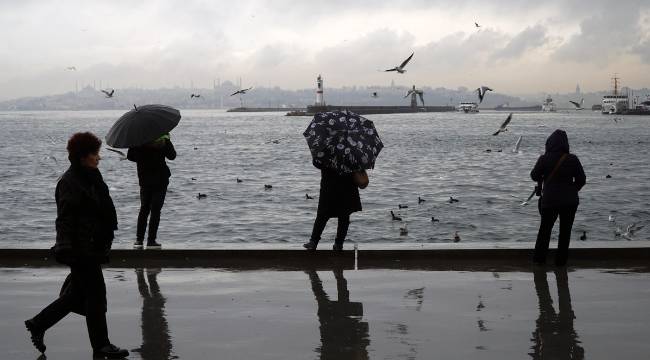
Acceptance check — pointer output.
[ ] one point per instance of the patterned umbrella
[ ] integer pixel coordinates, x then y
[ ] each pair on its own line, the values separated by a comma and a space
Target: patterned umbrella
343, 141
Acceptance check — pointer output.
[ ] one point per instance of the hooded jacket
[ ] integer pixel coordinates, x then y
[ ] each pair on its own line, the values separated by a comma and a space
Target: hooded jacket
561, 191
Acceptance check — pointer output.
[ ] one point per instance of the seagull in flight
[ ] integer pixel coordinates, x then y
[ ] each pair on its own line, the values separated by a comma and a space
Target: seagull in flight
517, 145
400, 69
481, 92
504, 126
242, 91
578, 105
477, 25
631, 229
195, 96
71, 68
108, 94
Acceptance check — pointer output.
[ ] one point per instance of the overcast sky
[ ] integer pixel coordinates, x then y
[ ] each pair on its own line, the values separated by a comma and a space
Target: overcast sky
521, 47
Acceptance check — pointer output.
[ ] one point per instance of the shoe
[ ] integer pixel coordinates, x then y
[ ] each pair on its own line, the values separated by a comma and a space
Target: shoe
153, 245
37, 336
110, 351
138, 245
310, 245
338, 247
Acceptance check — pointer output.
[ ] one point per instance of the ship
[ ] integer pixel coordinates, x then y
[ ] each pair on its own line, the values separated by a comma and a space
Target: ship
467, 107
548, 105
615, 103
507, 107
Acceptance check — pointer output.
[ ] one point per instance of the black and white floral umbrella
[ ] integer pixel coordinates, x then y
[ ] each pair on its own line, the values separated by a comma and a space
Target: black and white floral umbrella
343, 141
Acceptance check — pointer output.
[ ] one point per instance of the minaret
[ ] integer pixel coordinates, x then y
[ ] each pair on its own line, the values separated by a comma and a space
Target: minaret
319, 91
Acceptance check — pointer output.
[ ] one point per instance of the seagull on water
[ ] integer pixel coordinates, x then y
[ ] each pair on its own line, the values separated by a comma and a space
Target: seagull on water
481, 92
375, 95
630, 230
395, 217
504, 126
242, 91
109, 94
400, 69
195, 96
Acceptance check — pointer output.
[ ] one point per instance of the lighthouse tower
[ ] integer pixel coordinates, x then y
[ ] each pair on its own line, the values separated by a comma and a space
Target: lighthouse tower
319, 91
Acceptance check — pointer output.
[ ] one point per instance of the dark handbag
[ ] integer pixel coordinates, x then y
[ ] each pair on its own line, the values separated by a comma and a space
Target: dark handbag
360, 179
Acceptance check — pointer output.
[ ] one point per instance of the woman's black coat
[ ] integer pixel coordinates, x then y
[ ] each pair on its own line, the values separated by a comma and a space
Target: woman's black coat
339, 195
86, 217
561, 191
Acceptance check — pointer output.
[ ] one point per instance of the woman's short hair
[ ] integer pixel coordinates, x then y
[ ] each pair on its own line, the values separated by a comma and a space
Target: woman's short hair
81, 145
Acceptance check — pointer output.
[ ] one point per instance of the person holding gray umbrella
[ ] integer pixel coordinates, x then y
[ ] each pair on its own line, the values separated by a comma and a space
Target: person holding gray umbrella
145, 131
343, 145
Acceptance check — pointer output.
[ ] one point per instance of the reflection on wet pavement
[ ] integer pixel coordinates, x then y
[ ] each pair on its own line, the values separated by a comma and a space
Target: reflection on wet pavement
366, 314
555, 337
343, 334
156, 341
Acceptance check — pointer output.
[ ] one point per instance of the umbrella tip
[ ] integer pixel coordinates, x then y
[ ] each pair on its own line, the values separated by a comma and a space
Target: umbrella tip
135, 107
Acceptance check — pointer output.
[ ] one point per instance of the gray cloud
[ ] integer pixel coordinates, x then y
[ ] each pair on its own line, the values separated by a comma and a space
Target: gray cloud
529, 38
286, 43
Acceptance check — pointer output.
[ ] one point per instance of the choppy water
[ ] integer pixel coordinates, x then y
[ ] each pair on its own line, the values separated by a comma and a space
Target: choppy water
429, 155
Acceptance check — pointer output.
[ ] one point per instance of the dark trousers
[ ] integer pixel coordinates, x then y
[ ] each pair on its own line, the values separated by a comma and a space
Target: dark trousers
85, 294
341, 230
549, 215
151, 202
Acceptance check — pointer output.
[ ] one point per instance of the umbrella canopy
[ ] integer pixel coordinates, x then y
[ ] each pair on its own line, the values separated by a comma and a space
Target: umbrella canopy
142, 125
343, 141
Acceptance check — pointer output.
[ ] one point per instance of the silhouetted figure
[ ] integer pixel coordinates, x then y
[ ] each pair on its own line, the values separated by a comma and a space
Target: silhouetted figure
85, 223
555, 337
153, 176
343, 334
561, 177
339, 197
156, 342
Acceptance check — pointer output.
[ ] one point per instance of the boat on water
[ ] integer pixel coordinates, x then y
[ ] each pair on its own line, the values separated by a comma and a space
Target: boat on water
507, 107
467, 107
616, 103
548, 105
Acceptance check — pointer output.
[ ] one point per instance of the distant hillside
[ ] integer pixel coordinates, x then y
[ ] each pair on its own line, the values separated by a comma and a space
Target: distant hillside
219, 97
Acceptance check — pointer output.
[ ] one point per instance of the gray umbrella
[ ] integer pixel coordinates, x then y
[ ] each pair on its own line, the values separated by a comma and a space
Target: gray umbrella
142, 125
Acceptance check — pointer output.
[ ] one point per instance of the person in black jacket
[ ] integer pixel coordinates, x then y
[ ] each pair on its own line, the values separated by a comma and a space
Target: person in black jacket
85, 223
153, 176
339, 197
562, 177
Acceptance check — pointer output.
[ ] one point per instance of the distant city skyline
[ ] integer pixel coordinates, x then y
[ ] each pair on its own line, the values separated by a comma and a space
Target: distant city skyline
520, 48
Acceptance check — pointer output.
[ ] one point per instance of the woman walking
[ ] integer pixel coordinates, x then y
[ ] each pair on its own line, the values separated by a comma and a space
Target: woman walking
85, 223
339, 197
153, 177
561, 177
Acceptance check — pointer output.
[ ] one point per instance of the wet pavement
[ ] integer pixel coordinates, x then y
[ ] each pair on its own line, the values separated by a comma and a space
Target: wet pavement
345, 314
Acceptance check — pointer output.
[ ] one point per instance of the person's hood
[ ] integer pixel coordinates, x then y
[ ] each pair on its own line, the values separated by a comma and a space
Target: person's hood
557, 142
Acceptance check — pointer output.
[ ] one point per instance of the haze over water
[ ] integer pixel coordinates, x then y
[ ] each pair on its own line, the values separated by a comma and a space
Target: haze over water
432, 155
